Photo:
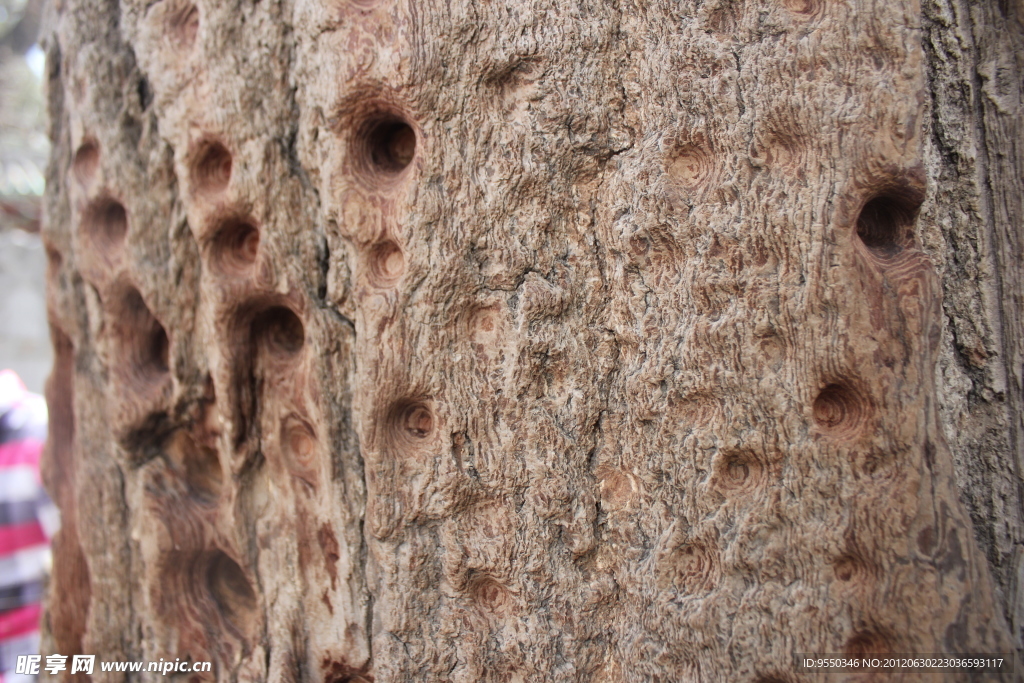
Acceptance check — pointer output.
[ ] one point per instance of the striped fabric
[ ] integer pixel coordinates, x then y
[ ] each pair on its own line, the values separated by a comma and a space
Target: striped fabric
27, 522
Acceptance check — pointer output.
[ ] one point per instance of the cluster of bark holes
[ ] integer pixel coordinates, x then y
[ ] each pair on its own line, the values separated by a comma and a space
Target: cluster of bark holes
885, 227
235, 243
234, 248
222, 578
145, 344
140, 336
383, 147
273, 330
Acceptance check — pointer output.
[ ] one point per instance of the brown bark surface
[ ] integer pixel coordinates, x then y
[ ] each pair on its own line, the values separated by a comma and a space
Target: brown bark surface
536, 341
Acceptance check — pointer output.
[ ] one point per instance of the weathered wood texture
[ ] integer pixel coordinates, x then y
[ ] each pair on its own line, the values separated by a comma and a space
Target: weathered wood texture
533, 340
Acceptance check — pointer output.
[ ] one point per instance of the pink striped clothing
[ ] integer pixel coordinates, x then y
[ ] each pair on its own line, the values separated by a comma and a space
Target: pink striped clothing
27, 522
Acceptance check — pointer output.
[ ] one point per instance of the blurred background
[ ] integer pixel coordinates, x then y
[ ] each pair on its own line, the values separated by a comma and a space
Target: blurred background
24, 148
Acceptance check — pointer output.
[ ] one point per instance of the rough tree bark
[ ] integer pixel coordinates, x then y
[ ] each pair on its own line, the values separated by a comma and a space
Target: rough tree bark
533, 340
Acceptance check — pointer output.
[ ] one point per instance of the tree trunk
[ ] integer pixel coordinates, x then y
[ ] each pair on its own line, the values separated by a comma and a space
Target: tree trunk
535, 341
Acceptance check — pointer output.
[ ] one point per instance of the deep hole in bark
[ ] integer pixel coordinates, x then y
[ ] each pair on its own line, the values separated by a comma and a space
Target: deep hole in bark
885, 223
232, 592
144, 92
235, 246
737, 471
383, 142
387, 264
845, 567
839, 409
142, 340
391, 143
211, 171
267, 337
105, 223
279, 331
417, 420
87, 162
410, 425
159, 349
